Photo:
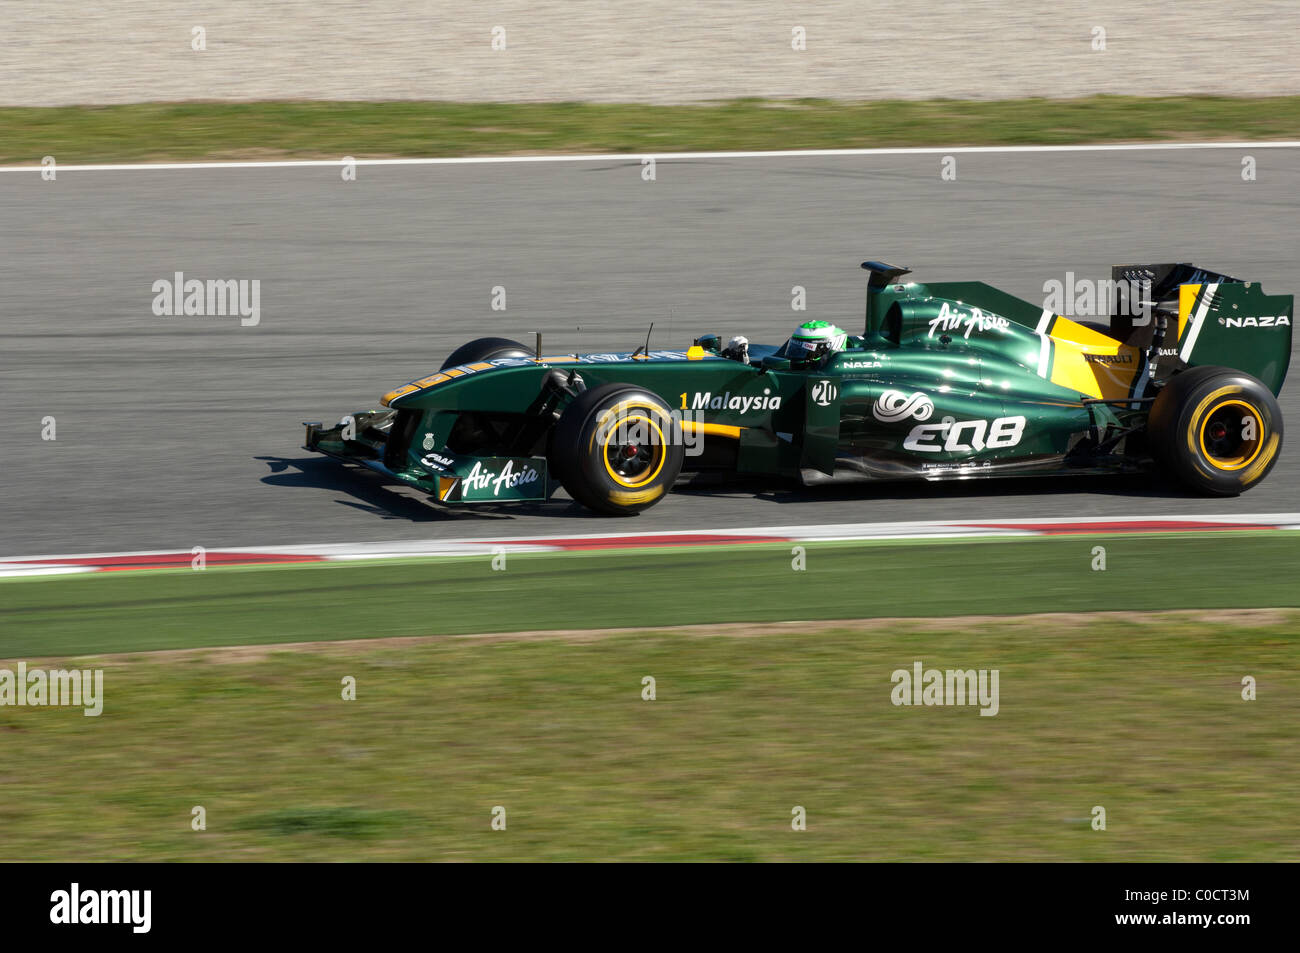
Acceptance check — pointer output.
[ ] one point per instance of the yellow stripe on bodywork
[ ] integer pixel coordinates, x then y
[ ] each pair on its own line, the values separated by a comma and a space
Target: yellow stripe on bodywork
402, 391
1187, 295
434, 379
1063, 329
717, 430
1071, 367
421, 384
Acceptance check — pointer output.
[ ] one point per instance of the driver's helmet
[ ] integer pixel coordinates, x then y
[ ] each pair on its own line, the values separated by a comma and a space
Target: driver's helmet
814, 337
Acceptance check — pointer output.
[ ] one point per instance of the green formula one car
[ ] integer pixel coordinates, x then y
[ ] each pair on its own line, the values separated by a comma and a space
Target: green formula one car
947, 381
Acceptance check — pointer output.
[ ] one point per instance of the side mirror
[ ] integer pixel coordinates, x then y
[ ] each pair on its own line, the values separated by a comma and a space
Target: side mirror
710, 342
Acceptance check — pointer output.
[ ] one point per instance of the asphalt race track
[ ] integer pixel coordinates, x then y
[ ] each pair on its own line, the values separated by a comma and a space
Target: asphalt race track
181, 431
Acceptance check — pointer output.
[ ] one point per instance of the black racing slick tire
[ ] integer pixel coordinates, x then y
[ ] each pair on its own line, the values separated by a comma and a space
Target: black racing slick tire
485, 349
1216, 429
617, 449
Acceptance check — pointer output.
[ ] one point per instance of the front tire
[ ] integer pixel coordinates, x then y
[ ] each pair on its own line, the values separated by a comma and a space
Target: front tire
1218, 430
617, 449
484, 349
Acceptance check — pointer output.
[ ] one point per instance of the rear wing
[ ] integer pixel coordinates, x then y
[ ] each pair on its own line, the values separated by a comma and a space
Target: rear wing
1191, 317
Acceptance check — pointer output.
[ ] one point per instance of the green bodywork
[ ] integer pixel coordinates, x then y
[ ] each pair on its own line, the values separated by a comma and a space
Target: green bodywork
951, 380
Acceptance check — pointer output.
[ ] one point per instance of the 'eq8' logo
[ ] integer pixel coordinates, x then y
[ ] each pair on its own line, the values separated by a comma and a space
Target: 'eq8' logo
968, 436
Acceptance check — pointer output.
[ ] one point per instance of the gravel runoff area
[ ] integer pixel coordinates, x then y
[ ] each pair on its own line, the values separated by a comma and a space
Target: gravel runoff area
117, 51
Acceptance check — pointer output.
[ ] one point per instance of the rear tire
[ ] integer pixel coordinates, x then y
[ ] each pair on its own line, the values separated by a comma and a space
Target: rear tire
485, 349
1218, 430
617, 449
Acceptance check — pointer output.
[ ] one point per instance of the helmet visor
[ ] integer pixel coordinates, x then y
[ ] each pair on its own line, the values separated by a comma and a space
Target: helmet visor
802, 348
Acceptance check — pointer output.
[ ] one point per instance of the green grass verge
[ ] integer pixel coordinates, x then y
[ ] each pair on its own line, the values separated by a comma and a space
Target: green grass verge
330, 130
1142, 716
121, 612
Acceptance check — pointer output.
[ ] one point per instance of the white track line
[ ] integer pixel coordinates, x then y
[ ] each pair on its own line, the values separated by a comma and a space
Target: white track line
800, 533
6, 571
661, 156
